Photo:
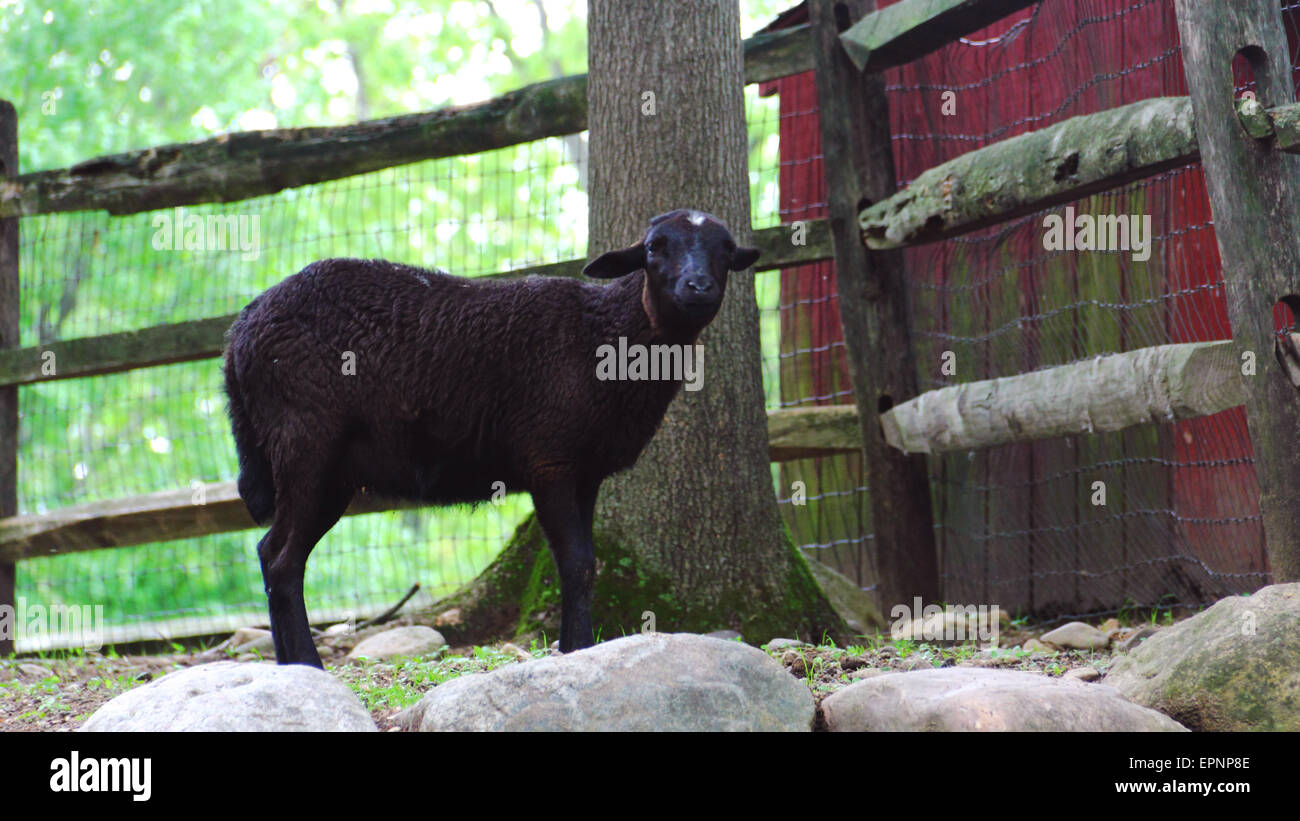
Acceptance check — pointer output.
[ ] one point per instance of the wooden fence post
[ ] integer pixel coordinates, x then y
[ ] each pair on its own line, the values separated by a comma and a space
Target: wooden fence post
8, 339
1255, 198
859, 163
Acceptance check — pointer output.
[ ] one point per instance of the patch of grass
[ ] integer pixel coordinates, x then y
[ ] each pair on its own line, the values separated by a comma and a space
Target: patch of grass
401, 682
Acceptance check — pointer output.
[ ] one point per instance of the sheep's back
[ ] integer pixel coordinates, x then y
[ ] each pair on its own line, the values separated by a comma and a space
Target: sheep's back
483, 380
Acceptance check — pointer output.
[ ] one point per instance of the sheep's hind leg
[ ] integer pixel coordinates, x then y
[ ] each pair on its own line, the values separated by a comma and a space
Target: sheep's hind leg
301, 519
564, 512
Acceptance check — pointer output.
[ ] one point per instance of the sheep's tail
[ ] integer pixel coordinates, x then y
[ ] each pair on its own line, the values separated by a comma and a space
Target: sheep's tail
256, 486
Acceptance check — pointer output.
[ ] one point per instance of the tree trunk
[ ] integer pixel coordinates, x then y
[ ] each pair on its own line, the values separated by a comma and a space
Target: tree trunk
692, 533
699, 509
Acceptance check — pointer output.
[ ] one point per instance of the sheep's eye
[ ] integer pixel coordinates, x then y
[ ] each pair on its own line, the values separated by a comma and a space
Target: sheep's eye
658, 244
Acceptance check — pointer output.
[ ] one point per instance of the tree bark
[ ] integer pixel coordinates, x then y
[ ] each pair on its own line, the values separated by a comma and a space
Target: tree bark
665, 98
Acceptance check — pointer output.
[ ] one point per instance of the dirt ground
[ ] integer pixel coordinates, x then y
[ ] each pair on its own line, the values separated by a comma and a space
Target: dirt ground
58, 694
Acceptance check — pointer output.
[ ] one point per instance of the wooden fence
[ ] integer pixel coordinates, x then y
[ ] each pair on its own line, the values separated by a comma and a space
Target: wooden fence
1243, 150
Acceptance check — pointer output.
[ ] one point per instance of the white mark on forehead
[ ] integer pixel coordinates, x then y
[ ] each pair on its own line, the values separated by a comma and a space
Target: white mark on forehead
697, 218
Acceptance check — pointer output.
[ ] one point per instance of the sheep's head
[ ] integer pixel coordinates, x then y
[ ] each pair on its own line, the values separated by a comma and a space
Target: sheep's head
686, 256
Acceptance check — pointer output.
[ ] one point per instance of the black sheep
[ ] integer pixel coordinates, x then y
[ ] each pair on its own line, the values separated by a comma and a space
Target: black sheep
419, 385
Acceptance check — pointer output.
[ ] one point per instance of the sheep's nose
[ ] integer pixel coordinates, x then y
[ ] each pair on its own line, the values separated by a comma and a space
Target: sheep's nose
701, 284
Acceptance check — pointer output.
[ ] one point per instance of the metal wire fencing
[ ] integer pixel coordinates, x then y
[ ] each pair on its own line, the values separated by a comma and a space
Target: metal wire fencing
1155, 516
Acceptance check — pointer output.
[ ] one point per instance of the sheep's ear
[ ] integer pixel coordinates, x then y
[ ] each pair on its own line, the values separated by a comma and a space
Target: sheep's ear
742, 258
617, 263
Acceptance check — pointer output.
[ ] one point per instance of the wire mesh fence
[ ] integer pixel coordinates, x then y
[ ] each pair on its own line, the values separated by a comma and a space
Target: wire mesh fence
165, 428
1017, 525
1160, 515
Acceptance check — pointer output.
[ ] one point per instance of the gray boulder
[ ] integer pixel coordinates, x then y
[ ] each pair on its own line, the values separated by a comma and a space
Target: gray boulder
1235, 666
412, 642
649, 681
227, 696
978, 699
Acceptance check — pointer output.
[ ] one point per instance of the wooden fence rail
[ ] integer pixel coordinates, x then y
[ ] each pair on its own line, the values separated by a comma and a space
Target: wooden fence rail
1058, 164
1106, 393
241, 165
215, 507
911, 29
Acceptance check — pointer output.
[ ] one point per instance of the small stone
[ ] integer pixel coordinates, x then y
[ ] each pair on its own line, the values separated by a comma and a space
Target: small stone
795, 661
413, 642
35, 671
853, 662
866, 672
244, 635
340, 629
1082, 674
1035, 646
1139, 635
253, 640
1109, 625
1077, 636
784, 644
448, 618
916, 661
517, 651
888, 651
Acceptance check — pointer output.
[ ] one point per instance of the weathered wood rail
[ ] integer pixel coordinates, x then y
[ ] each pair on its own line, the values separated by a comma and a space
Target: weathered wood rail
911, 29
241, 165
1058, 164
796, 433
1106, 393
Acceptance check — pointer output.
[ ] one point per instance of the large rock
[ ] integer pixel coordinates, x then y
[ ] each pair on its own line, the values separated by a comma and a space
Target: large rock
411, 642
1235, 666
978, 699
227, 696
650, 681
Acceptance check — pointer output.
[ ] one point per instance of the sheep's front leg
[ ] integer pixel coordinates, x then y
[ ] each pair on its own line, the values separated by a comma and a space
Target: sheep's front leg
565, 512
